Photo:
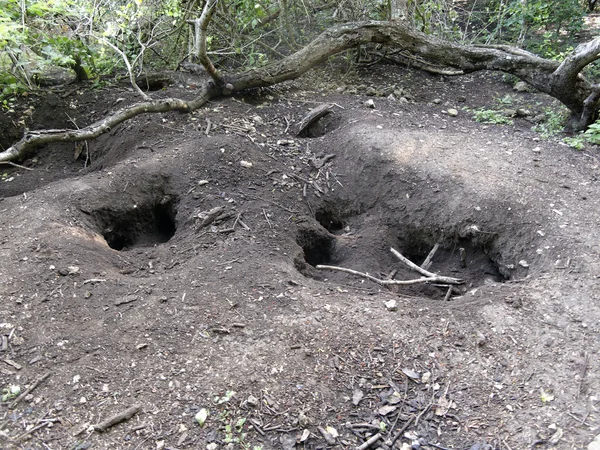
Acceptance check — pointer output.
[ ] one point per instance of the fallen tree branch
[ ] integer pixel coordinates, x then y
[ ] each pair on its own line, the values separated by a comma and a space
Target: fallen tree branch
434, 279
560, 80
117, 418
33, 139
429, 275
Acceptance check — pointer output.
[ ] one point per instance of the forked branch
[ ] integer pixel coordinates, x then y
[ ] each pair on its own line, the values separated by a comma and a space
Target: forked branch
428, 277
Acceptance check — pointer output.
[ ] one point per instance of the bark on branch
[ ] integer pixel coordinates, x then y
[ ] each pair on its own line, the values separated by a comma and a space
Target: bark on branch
560, 80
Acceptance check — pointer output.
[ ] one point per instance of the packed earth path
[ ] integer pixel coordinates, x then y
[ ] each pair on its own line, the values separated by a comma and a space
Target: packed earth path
162, 286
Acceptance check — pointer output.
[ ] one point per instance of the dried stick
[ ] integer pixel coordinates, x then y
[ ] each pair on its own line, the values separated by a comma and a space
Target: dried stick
413, 266
10, 163
369, 442
448, 294
267, 218
427, 263
433, 279
33, 430
117, 418
28, 391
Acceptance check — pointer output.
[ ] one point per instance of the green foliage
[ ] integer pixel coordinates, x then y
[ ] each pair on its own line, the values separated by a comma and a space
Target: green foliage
577, 142
545, 27
554, 123
592, 134
491, 116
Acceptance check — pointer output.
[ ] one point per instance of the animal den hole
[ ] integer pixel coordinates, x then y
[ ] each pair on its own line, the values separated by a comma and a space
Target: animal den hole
317, 246
465, 259
141, 225
329, 220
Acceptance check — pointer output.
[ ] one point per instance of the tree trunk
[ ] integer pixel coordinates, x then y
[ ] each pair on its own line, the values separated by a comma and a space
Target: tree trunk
560, 80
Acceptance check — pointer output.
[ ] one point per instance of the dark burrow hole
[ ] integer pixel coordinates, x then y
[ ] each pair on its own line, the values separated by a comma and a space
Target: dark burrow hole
317, 245
329, 220
472, 258
141, 225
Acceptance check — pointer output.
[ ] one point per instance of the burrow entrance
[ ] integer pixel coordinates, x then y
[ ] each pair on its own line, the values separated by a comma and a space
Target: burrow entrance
143, 219
354, 242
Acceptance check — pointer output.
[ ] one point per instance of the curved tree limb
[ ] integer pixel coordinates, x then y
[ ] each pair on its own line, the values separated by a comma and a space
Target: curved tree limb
560, 80
33, 139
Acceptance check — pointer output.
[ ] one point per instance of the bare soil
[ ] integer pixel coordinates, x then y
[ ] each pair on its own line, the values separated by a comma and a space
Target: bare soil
116, 284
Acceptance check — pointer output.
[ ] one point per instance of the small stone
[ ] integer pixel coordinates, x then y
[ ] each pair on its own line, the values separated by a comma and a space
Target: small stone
521, 86
258, 120
481, 339
391, 97
371, 91
452, 112
536, 149
357, 396
403, 100
522, 112
212, 446
288, 442
370, 104
246, 164
202, 182
252, 401
437, 101
303, 419
391, 305
523, 263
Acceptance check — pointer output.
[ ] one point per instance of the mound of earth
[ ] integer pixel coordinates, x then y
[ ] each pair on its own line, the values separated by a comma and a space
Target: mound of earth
172, 284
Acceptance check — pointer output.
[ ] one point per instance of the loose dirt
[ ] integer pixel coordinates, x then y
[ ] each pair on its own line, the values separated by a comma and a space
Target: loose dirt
172, 266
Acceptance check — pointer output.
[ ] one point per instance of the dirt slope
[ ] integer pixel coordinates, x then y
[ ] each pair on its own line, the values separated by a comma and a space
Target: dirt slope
117, 283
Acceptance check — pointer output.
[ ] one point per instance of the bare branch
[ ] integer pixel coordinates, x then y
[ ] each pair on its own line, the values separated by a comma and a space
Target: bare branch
383, 282
127, 64
32, 139
207, 12
575, 62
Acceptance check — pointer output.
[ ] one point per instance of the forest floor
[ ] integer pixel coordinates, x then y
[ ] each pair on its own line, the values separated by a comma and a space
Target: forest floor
168, 269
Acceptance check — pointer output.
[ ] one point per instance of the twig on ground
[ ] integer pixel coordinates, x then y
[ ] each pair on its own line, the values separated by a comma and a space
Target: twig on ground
94, 280
267, 218
402, 430
369, 442
10, 163
30, 390
33, 430
117, 418
257, 427
586, 362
